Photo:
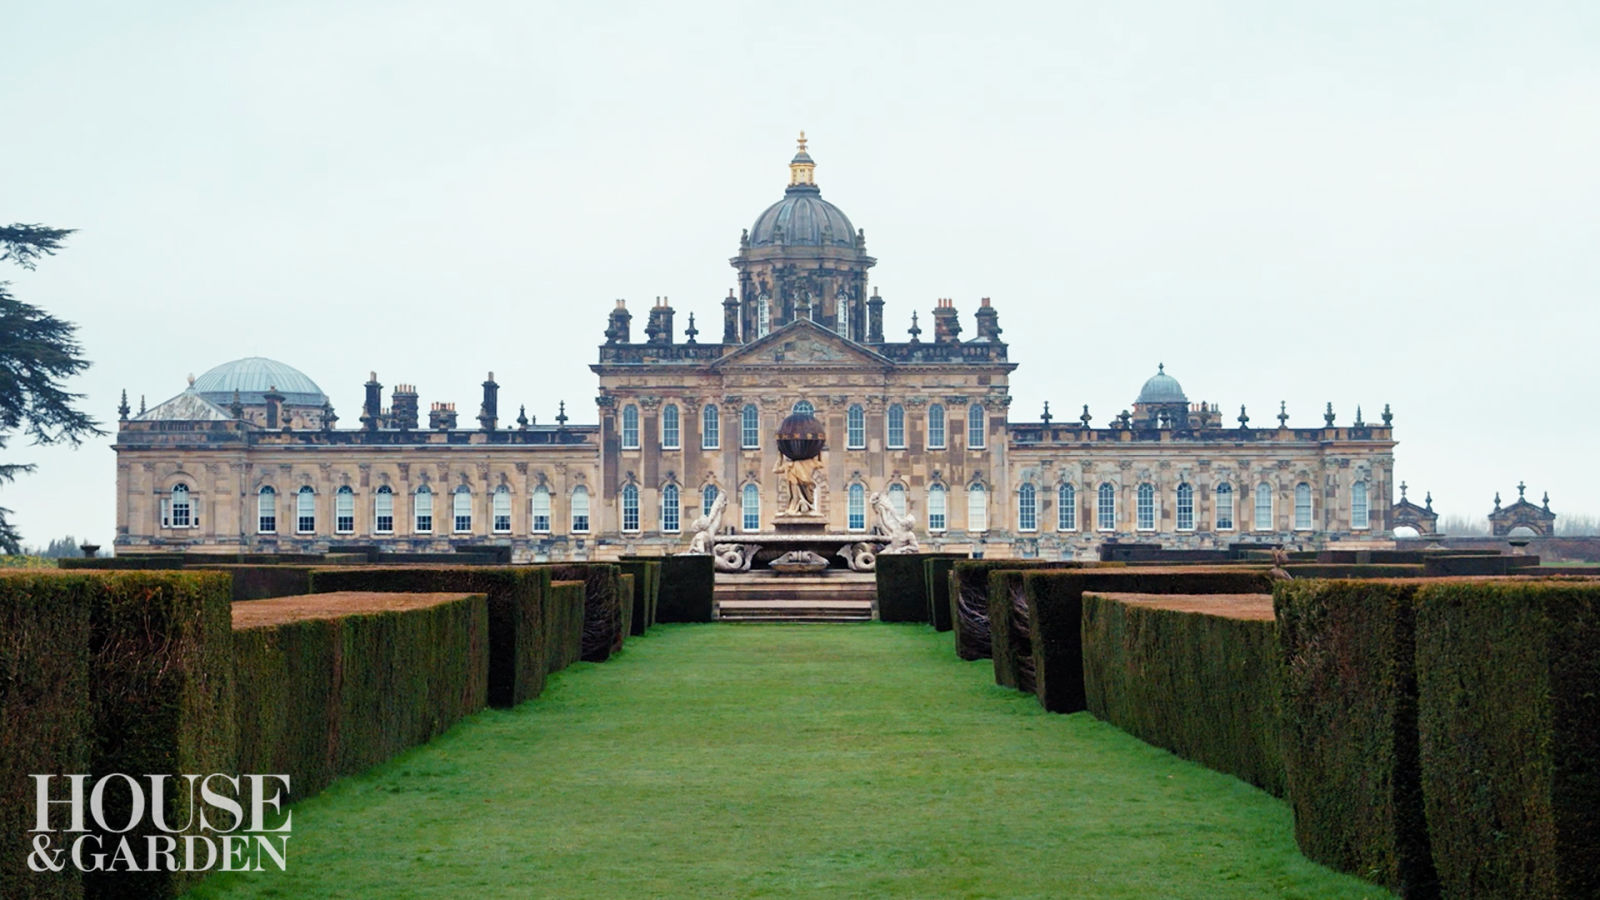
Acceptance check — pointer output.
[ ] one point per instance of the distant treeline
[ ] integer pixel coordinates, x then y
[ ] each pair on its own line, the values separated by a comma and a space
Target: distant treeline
1567, 525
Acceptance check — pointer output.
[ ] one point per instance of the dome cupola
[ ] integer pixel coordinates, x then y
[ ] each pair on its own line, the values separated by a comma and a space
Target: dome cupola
1161, 388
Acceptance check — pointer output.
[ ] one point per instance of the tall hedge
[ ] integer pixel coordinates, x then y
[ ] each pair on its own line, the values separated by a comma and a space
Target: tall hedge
1053, 601
1010, 646
565, 636
1347, 651
1509, 700
647, 591
334, 688
256, 582
936, 576
518, 600
45, 722
969, 600
902, 587
1202, 683
687, 583
604, 625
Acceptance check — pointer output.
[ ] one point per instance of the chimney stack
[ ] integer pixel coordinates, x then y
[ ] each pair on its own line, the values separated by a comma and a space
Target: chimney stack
875, 318
489, 413
988, 321
617, 325
442, 416
274, 406
659, 329
370, 409
730, 319
403, 408
946, 324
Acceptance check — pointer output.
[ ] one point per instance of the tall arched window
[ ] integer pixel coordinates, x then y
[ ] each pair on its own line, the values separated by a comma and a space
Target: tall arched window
855, 428
344, 510
710, 427
708, 498
1360, 515
977, 508
502, 510
856, 508
749, 427
179, 512
843, 304
1066, 508
1302, 507
267, 511
1147, 508
1185, 507
580, 510
305, 511
897, 497
1027, 509
669, 427
1263, 507
630, 507
1105, 507
750, 508
763, 315
671, 509
461, 509
422, 511
803, 408
383, 510
936, 426
936, 507
1224, 501
539, 511
630, 427
976, 429
897, 427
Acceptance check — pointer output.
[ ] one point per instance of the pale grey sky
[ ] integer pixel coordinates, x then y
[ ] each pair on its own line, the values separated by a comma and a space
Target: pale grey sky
1365, 203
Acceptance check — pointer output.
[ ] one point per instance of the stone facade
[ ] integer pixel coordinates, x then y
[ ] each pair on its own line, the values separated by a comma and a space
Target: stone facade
925, 422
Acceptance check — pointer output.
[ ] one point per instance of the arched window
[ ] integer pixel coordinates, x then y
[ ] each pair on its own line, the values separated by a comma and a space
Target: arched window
502, 510
936, 426
383, 510
976, 426
630, 427
804, 408
422, 511
630, 507
1224, 501
669, 427
305, 511
936, 507
1302, 507
855, 428
710, 427
344, 510
1185, 507
977, 508
1263, 507
856, 508
461, 509
539, 511
1066, 508
843, 303
1027, 509
267, 511
897, 427
1147, 508
580, 509
179, 511
763, 315
897, 498
1105, 508
1360, 515
750, 508
749, 427
708, 498
671, 509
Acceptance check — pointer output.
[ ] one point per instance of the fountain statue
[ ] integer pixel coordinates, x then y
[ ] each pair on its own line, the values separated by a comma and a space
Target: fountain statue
901, 538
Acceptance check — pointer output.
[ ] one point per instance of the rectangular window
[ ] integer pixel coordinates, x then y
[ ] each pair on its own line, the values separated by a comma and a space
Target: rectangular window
976, 427
1027, 509
1360, 517
424, 513
1147, 508
1263, 507
1224, 498
897, 427
1106, 508
1067, 508
1302, 507
856, 514
749, 429
1185, 508
580, 510
936, 509
539, 511
267, 513
855, 432
710, 429
936, 426
669, 427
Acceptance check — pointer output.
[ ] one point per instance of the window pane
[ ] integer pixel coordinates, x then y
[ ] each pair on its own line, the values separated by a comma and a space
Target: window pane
1066, 508
977, 508
424, 510
855, 429
897, 498
178, 512
750, 508
936, 425
1263, 507
539, 510
671, 509
669, 426
749, 427
1147, 507
708, 497
462, 509
936, 508
344, 511
1185, 507
630, 427
502, 509
710, 427
1224, 506
897, 427
630, 508
580, 509
1360, 516
1302, 506
1027, 511
857, 508
305, 511
267, 511
1106, 508
975, 429
804, 408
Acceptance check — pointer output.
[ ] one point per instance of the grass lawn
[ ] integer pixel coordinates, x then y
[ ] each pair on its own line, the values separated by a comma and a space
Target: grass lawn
789, 761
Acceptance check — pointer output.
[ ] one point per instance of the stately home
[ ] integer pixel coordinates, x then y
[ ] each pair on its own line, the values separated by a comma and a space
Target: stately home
250, 456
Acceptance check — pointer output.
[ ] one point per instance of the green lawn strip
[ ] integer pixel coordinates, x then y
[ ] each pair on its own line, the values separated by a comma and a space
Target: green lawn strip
789, 761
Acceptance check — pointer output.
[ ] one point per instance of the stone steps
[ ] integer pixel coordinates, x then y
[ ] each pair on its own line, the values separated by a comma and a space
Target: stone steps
834, 596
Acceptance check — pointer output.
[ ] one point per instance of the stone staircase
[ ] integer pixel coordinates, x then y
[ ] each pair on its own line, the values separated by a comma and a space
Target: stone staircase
834, 596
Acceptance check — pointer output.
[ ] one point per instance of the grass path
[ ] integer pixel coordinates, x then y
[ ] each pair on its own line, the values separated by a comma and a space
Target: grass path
789, 761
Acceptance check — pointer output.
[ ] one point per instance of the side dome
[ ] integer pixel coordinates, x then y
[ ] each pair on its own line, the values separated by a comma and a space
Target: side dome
1161, 388
802, 217
252, 377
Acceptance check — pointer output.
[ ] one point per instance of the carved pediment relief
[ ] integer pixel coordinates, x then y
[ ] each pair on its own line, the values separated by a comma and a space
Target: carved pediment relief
802, 343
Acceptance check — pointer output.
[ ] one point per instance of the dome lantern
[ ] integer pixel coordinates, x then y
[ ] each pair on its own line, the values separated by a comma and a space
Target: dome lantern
801, 168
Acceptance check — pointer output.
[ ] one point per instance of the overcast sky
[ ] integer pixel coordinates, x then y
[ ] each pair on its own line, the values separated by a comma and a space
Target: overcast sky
1356, 202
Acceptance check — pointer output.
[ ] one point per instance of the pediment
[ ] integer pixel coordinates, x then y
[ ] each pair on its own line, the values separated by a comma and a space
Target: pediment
803, 343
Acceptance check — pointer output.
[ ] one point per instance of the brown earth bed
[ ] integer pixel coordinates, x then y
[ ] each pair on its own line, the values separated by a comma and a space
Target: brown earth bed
279, 610
1248, 607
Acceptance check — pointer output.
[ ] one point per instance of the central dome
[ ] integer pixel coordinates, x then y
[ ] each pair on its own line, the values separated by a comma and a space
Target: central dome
802, 217
252, 377
1162, 388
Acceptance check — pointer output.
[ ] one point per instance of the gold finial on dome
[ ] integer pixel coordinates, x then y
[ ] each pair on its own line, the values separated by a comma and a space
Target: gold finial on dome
801, 167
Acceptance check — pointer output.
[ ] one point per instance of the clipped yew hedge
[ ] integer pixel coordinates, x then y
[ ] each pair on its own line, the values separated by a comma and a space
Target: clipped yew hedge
1509, 701
936, 575
646, 572
606, 617
686, 589
565, 635
969, 600
257, 582
1196, 675
45, 721
333, 684
518, 600
902, 586
1347, 651
1053, 602
1010, 645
